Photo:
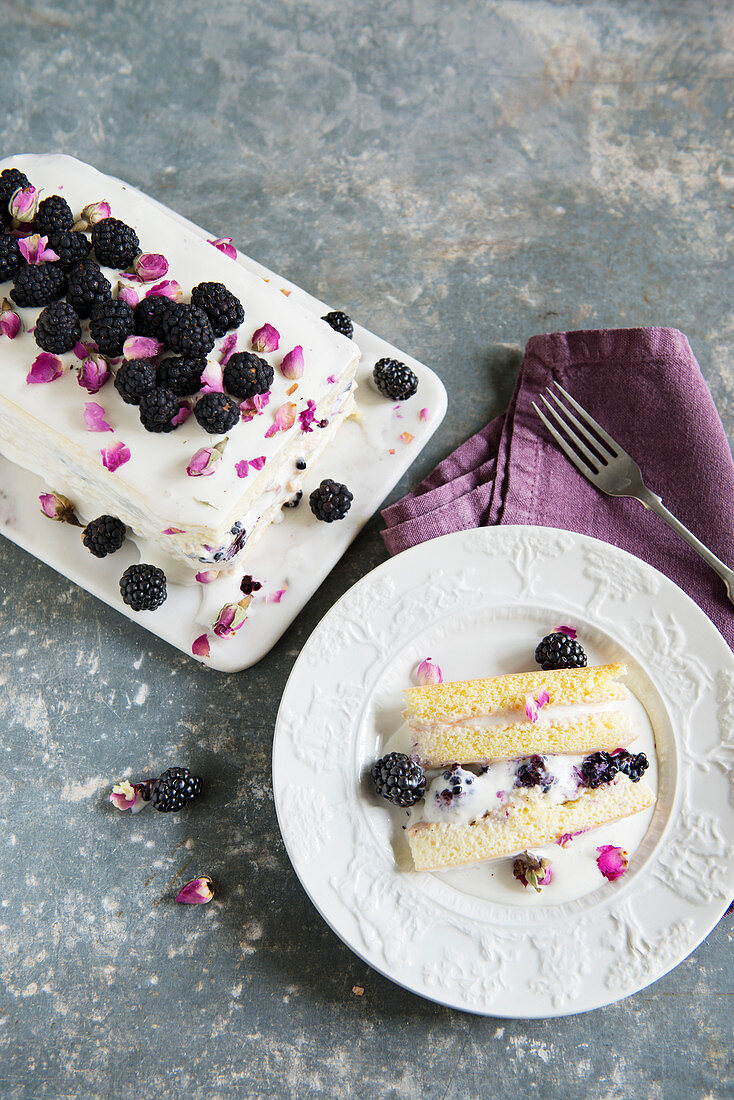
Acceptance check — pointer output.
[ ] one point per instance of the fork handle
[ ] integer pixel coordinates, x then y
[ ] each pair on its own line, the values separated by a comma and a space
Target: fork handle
654, 504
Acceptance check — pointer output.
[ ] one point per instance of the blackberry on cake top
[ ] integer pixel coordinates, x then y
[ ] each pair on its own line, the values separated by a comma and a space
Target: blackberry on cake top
11, 180
220, 305
157, 410
71, 247
53, 214
247, 374
115, 244
11, 258
181, 375
186, 330
104, 535
135, 378
149, 313
57, 328
110, 324
143, 587
330, 501
394, 379
216, 413
87, 287
340, 322
38, 285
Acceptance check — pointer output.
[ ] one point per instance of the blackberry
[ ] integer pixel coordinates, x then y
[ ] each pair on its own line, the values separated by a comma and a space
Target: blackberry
182, 376
301, 463
134, 378
633, 765
248, 585
220, 305
157, 410
557, 650
115, 244
599, 768
11, 258
149, 313
53, 214
38, 285
458, 782
110, 324
394, 379
186, 330
70, 247
294, 501
216, 413
143, 587
87, 287
340, 322
399, 779
11, 179
531, 773
247, 374
57, 328
174, 789
330, 501
104, 535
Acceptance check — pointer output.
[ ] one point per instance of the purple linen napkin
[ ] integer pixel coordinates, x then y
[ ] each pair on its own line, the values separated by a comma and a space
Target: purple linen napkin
646, 388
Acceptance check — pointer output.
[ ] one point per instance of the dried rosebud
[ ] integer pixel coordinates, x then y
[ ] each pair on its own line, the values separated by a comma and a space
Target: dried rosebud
284, 419
428, 673
196, 892
292, 365
266, 338
150, 266
204, 462
612, 861
224, 244
231, 617
141, 347
23, 205
44, 368
531, 871
533, 704
92, 213
115, 455
10, 322
55, 506
93, 373
200, 646
35, 249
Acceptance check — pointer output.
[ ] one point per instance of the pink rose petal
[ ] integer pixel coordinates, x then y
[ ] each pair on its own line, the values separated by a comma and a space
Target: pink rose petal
45, 368
332, 379
173, 530
612, 861
35, 249
124, 795
211, 378
284, 419
266, 338
141, 347
200, 646
307, 417
150, 266
169, 288
94, 418
114, 456
242, 468
184, 412
428, 673
10, 323
207, 576
228, 348
563, 629
224, 244
93, 373
423, 414
258, 463
127, 294
197, 892
253, 406
292, 365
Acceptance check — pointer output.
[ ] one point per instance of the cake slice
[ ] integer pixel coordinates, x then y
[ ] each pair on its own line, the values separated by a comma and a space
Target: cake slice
478, 720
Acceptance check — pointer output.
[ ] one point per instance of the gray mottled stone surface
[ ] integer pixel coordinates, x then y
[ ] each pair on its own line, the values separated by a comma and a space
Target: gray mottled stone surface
458, 177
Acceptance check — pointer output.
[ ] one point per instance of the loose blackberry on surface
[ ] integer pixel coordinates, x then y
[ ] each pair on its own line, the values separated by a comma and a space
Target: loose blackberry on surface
216, 413
87, 287
57, 328
399, 779
134, 378
39, 285
11, 180
110, 324
71, 247
115, 244
186, 330
340, 322
157, 410
143, 587
53, 214
394, 379
182, 376
149, 314
220, 305
173, 790
330, 501
247, 374
104, 535
557, 650
11, 258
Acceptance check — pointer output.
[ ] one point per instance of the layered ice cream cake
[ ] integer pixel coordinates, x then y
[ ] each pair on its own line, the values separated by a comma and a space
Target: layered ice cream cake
147, 377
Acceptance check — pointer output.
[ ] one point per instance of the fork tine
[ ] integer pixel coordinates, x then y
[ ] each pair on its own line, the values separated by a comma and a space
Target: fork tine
596, 446
569, 452
588, 454
605, 436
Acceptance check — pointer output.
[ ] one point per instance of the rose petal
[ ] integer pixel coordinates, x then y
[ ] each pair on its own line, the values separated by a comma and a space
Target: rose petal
35, 249
406, 437
114, 456
124, 795
612, 861
570, 631
423, 414
292, 365
428, 673
196, 892
184, 412
284, 419
10, 323
94, 418
206, 576
227, 349
242, 468
307, 417
211, 378
253, 406
141, 347
173, 530
93, 373
531, 708
266, 338
275, 597
169, 288
200, 646
45, 368
127, 294
542, 698
258, 463
331, 379
150, 266
224, 244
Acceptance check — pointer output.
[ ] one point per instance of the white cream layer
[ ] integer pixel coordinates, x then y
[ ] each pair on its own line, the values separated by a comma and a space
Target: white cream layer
509, 716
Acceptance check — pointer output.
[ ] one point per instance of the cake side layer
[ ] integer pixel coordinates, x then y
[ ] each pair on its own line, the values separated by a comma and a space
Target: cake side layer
441, 744
464, 698
528, 822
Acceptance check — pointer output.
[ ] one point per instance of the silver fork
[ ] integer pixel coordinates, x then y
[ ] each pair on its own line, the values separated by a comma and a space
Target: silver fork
611, 469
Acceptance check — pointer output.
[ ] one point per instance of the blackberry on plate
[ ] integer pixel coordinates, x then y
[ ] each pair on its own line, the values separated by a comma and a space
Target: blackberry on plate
87, 287
149, 313
598, 768
633, 765
70, 247
216, 413
187, 331
531, 773
38, 285
11, 180
557, 650
134, 378
330, 501
340, 322
182, 376
173, 790
110, 324
115, 244
143, 587
399, 779
157, 410
57, 328
52, 215
247, 374
394, 379
220, 305
11, 258
104, 535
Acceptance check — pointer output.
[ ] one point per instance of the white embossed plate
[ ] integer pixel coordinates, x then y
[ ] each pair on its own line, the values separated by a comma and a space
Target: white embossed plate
477, 602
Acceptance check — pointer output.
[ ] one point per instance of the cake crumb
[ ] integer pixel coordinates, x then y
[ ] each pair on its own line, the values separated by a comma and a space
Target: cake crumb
357, 990
292, 389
